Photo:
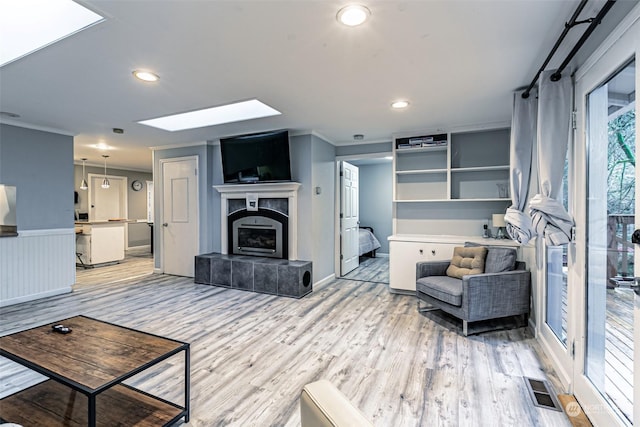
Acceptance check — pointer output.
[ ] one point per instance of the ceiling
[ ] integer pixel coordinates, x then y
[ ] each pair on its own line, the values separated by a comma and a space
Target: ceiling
457, 62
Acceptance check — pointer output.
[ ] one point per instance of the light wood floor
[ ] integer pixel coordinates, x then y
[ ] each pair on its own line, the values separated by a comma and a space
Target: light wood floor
252, 353
371, 270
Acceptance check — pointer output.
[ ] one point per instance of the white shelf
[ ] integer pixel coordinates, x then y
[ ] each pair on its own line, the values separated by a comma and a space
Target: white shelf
451, 188
481, 169
421, 171
441, 147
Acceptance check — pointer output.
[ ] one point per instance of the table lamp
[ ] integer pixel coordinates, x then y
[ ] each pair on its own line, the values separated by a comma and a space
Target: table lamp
498, 222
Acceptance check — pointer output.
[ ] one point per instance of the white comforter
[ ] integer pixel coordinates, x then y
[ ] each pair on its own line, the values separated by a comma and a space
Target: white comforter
368, 241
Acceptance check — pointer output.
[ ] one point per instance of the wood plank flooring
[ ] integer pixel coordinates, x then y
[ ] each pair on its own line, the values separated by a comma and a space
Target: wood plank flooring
251, 354
371, 270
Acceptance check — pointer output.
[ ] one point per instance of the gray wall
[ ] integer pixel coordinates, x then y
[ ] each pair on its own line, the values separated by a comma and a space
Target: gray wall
301, 171
376, 185
323, 207
312, 165
40, 165
209, 199
139, 234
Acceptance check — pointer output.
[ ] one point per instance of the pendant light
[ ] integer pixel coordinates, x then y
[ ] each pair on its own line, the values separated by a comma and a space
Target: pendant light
105, 181
83, 183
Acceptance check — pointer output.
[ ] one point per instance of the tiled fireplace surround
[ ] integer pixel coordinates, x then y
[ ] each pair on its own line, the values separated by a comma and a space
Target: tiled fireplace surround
286, 277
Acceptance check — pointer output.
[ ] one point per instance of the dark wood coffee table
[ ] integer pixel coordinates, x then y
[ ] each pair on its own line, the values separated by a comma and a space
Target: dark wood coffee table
94, 359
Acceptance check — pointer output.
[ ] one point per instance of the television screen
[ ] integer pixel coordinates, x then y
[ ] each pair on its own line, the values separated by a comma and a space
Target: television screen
259, 157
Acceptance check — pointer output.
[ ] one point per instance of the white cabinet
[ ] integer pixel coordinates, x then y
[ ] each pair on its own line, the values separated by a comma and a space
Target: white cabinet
100, 242
405, 250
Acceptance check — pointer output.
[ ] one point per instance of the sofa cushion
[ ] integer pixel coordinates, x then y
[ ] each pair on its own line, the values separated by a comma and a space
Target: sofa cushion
443, 288
467, 260
499, 258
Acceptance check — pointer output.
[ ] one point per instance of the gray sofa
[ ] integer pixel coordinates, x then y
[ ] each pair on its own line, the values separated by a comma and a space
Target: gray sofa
503, 290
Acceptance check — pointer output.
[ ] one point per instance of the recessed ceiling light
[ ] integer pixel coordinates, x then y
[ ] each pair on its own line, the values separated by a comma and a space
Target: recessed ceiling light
353, 15
398, 105
102, 146
30, 25
239, 111
146, 76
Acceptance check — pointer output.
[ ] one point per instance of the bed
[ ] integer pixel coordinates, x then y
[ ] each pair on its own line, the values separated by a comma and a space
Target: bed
367, 242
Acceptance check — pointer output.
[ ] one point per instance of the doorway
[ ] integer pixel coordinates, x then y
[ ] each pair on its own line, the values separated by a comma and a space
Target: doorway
375, 215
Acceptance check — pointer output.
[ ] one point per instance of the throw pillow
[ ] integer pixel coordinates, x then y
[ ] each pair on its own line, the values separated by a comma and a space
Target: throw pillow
499, 258
467, 260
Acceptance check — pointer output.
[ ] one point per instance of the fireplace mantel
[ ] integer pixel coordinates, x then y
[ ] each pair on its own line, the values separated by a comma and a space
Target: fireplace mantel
270, 190
267, 187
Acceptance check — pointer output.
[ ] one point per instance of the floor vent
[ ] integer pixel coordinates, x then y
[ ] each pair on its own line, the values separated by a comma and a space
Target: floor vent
542, 394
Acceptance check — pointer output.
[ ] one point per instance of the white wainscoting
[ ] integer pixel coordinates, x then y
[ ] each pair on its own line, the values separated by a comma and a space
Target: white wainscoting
36, 264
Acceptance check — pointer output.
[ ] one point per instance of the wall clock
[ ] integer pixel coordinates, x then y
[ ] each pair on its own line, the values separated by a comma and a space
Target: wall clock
136, 185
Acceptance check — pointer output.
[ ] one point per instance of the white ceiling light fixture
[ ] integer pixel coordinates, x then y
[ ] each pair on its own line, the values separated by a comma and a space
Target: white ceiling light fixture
399, 105
83, 183
105, 182
146, 76
30, 25
236, 112
353, 15
102, 146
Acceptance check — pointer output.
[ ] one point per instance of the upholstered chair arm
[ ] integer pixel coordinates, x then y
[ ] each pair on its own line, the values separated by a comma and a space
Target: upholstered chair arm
431, 268
493, 295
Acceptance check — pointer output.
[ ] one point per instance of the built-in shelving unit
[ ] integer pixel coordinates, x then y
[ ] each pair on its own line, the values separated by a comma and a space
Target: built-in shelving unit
450, 182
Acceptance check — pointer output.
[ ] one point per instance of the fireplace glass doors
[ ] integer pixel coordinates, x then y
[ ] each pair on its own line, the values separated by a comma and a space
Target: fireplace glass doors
257, 235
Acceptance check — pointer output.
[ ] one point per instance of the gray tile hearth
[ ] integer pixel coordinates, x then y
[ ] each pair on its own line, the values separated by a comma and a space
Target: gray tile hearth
258, 274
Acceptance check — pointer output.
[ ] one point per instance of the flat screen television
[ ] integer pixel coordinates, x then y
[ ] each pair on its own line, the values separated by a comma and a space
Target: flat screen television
258, 157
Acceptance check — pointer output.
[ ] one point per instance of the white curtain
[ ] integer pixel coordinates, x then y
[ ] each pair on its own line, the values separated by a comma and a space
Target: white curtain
548, 216
523, 134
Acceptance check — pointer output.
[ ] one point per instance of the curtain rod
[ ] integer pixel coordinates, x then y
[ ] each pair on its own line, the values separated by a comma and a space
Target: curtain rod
592, 26
568, 26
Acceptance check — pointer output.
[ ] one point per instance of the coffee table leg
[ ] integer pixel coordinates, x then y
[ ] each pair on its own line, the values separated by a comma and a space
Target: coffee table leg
187, 381
92, 410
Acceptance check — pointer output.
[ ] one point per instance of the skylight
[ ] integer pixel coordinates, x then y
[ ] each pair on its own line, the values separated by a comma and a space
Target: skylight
30, 25
236, 112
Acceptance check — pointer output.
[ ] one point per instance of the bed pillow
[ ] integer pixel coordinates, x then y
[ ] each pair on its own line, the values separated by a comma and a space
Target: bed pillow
467, 260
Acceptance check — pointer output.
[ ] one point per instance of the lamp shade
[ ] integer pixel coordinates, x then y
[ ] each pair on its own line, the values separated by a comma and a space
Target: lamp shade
498, 220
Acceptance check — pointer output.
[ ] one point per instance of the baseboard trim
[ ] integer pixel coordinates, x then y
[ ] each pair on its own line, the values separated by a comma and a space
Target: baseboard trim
323, 282
402, 291
32, 297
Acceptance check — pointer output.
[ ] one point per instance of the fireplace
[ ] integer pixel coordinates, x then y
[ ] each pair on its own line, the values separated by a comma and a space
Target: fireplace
258, 233
270, 198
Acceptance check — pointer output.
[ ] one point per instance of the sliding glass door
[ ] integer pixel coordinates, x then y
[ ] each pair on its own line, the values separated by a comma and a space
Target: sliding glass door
606, 364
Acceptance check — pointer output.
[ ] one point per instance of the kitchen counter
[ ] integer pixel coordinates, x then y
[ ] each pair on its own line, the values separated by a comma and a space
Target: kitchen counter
100, 242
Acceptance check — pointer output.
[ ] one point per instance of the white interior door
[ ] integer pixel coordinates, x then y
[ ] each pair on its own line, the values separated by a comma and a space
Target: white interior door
607, 360
349, 218
179, 226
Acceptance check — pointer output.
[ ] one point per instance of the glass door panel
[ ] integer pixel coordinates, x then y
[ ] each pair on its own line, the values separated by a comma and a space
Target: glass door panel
611, 199
556, 315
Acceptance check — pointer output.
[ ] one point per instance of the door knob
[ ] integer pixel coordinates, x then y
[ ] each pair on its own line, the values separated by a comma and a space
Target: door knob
165, 224
635, 237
